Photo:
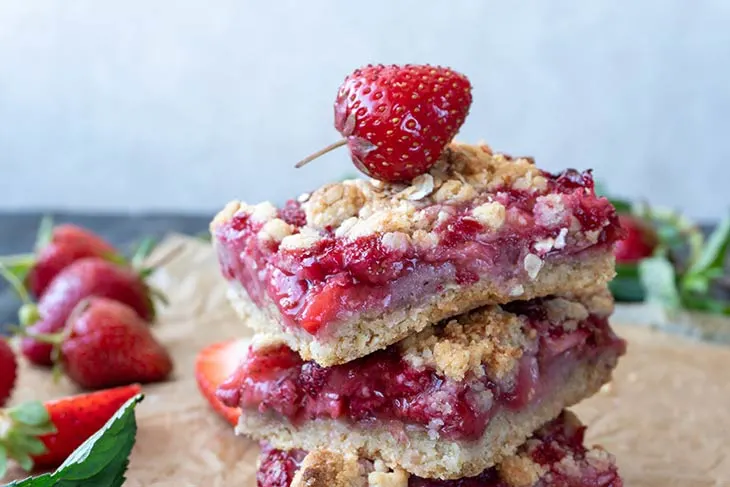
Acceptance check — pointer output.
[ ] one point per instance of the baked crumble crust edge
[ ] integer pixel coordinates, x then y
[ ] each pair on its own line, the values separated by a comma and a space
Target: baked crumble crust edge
427, 455
364, 334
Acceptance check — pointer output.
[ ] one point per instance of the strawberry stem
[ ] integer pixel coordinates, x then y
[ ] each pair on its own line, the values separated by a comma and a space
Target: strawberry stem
321, 152
45, 231
16, 284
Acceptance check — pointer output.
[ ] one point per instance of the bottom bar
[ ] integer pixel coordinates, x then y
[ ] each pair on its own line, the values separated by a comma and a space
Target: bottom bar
553, 456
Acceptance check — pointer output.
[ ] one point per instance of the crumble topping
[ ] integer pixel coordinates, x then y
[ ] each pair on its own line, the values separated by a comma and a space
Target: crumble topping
520, 471
491, 214
490, 339
356, 208
395, 478
332, 204
306, 238
532, 265
550, 210
275, 230
325, 468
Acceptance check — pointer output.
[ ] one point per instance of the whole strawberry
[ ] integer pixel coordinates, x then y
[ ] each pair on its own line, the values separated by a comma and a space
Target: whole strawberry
56, 248
44, 435
68, 244
107, 344
8, 371
397, 120
83, 279
639, 242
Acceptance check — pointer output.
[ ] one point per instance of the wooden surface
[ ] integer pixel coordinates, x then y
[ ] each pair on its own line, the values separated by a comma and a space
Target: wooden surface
665, 416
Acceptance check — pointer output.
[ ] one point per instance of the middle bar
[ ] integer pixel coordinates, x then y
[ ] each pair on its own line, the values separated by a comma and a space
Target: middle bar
447, 402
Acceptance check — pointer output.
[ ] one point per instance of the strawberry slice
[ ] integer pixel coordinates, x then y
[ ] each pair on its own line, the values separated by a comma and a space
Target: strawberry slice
213, 366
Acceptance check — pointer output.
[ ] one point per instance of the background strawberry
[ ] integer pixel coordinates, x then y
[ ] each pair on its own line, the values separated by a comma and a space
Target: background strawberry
107, 344
8, 371
83, 279
397, 120
68, 244
43, 435
56, 248
639, 242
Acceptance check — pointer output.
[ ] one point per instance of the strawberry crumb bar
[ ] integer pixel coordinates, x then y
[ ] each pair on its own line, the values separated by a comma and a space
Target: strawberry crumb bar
554, 456
447, 402
359, 265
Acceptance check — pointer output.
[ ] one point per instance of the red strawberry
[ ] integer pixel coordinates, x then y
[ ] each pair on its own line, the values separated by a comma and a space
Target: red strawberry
397, 120
57, 248
83, 279
8, 371
639, 242
213, 366
107, 344
68, 244
43, 435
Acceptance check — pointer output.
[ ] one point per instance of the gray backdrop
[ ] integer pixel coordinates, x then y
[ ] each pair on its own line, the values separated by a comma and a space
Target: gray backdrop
183, 104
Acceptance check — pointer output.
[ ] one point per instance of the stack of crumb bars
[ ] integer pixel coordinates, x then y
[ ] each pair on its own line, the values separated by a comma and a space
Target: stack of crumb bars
425, 334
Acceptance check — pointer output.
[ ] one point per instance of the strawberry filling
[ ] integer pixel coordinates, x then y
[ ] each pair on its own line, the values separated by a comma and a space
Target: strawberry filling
384, 387
337, 279
554, 447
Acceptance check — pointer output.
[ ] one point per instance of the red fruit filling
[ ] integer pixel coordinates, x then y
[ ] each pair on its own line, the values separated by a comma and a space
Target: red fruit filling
337, 279
559, 439
385, 388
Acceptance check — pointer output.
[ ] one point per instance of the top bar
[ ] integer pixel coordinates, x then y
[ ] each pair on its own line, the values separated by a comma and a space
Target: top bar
358, 265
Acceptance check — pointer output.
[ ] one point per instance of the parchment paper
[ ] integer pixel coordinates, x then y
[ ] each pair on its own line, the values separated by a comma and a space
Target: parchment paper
666, 416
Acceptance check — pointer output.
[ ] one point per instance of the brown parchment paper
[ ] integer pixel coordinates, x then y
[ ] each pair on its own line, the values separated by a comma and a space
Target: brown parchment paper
666, 416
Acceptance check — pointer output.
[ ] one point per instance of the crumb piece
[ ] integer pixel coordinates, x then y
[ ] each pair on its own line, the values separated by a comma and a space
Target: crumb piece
397, 241
275, 230
322, 468
560, 239
550, 211
456, 191
396, 478
227, 213
520, 471
420, 187
302, 240
491, 214
332, 204
559, 310
532, 265
263, 212
544, 246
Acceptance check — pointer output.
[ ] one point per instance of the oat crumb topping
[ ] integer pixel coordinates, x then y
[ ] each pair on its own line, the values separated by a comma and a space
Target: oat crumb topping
520, 471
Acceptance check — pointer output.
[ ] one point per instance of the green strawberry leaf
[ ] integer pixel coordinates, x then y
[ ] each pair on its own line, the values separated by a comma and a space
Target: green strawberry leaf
101, 460
697, 302
660, 281
712, 256
143, 250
